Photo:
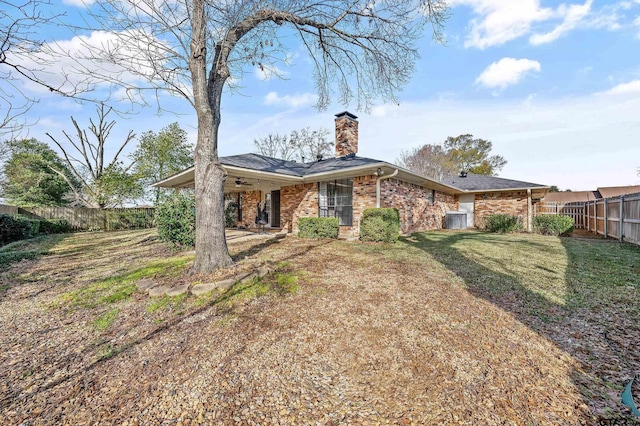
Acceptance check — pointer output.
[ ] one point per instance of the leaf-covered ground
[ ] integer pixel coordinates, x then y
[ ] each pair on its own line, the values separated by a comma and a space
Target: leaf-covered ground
440, 328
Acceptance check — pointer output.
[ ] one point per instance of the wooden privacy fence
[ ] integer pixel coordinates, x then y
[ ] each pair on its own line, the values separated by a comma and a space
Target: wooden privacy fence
573, 210
88, 219
615, 217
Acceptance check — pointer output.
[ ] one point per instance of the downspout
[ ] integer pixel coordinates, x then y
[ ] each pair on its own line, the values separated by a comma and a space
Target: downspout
378, 185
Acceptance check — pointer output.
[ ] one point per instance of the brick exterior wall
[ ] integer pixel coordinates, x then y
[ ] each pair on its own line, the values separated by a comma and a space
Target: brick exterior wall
295, 202
511, 203
250, 200
346, 135
412, 202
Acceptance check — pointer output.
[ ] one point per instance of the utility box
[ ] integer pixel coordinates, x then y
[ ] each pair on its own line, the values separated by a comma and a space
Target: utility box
455, 220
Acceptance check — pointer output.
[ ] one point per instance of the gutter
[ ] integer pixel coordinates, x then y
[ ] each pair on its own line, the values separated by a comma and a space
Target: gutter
378, 186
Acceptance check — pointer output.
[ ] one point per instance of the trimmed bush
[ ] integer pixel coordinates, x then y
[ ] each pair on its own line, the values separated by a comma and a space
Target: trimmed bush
54, 226
553, 225
176, 220
503, 223
14, 228
318, 227
380, 225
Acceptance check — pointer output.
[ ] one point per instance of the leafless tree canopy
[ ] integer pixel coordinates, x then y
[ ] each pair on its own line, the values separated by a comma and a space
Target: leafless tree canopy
103, 183
301, 145
431, 161
361, 50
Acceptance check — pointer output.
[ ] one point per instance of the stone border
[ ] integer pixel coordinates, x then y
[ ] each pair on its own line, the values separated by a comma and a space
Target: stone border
153, 289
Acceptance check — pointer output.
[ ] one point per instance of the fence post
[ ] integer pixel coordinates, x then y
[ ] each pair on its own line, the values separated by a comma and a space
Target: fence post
606, 220
621, 217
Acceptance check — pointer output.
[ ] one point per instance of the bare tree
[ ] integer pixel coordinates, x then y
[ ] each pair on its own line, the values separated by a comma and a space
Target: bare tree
431, 161
103, 183
361, 50
276, 146
301, 145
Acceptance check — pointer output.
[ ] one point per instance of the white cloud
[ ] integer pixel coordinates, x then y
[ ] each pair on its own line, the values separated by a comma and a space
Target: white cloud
632, 87
506, 72
292, 101
83, 64
573, 15
497, 22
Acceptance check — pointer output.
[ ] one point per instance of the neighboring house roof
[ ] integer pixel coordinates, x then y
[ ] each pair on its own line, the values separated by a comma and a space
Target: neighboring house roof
570, 197
616, 191
480, 183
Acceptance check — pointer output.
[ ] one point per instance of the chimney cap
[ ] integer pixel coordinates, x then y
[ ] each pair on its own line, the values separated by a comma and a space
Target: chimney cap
346, 114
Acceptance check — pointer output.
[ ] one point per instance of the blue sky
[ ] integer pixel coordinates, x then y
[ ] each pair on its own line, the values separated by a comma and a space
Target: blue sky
554, 85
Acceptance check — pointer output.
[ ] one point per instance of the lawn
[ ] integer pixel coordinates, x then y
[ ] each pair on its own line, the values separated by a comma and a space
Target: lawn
439, 328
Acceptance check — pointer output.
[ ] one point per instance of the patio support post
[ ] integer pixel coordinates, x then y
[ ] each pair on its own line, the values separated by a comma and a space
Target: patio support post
529, 211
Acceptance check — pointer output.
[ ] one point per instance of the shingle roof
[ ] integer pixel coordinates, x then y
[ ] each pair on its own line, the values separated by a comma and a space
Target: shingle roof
335, 164
264, 164
292, 168
473, 182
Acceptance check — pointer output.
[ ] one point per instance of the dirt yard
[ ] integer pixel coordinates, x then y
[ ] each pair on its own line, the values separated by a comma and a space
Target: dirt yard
440, 328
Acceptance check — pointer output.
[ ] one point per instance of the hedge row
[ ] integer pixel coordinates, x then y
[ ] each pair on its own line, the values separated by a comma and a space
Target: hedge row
553, 225
14, 228
503, 223
545, 224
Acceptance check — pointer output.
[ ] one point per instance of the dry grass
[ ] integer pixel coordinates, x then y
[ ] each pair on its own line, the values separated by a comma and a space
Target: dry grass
440, 328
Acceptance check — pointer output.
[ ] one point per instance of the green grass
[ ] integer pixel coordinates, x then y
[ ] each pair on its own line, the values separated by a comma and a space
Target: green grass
105, 320
543, 275
121, 287
165, 303
283, 281
32, 248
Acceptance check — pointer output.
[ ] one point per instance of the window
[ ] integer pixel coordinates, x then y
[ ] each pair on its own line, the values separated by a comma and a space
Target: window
432, 196
239, 206
336, 200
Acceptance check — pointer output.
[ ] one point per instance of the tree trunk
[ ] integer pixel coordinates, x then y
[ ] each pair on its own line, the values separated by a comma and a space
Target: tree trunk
211, 244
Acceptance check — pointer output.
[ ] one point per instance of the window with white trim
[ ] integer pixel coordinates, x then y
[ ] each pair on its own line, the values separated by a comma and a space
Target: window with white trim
336, 200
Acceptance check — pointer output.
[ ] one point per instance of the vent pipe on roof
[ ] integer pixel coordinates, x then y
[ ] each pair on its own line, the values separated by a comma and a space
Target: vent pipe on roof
462, 174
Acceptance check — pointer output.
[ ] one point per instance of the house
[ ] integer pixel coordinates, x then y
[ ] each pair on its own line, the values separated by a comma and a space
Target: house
346, 185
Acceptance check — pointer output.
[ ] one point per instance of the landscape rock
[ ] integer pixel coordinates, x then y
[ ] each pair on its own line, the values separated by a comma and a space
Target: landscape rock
226, 284
145, 284
263, 270
177, 290
248, 277
159, 291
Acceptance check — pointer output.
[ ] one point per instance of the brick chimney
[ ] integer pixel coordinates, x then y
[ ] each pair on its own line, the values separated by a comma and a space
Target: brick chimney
346, 134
